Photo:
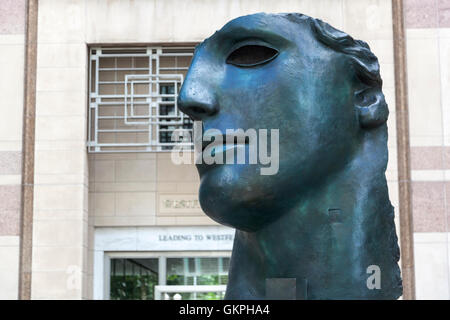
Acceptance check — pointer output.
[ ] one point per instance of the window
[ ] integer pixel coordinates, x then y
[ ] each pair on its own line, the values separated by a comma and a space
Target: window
132, 98
197, 272
133, 279
136, 279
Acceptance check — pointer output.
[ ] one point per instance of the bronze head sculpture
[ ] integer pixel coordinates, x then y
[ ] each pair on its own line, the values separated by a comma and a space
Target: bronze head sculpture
325, 218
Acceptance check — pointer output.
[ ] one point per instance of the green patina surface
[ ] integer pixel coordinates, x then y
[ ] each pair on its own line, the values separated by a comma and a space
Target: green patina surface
325, 217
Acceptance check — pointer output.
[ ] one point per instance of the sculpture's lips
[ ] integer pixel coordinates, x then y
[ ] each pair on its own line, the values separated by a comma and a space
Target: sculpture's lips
219, 149
228, 141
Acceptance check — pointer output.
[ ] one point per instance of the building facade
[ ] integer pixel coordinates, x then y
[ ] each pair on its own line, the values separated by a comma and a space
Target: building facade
91, 205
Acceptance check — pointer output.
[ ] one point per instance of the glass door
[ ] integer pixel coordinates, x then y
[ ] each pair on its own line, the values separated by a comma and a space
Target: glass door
135, 279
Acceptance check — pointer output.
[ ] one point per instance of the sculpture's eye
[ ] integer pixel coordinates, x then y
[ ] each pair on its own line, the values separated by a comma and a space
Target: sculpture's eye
251, 55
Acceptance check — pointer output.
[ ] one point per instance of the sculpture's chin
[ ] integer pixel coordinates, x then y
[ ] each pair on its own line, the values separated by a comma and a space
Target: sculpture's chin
236, 207
236, 220
240, 197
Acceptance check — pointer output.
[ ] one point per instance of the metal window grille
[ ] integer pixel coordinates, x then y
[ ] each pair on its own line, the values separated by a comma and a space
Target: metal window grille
133, 98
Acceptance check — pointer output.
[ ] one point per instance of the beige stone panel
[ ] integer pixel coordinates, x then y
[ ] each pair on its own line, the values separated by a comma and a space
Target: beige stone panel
13, 145
11, 92
139, 21
166, 186
10, 197
428, 202
85, 198
387, 74
10, 162
423, 141
51, 145
166, 221
389, 95
91, 205
60, 285
368, 19
104, 171
391, 170
61, 128
61, 55
179, 204
129, 221
60, 179
12, 62
169, 172
397, 227
424, 88
56, 259
326, 10
135, 204
86, 169
88, 287
393, 196
431, 269
60, 103
104, 204
10, 284
444, 48
58, 233
91, 166
62, 79
9, 266
11, 126
393, 192
391, 122
392, 129
59, 197
428, 158
430, 237
10, 258
10, 179
90, 254
444, 33
122, 21
9, 222
59, 162
135, 170
146, 155
52, 214
383, 49
115, 156
422, 33
12, 39
392, 135
123, 186
428, 175
188, 187
8, 241
193, 220
61, 21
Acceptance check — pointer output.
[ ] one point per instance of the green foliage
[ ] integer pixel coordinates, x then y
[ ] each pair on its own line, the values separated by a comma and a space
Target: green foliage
133, 287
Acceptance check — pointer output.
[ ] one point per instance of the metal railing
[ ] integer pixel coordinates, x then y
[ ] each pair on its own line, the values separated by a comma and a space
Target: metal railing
133, 98
161, 292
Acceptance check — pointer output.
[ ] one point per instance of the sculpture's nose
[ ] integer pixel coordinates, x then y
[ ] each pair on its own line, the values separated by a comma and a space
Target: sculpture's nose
196, 98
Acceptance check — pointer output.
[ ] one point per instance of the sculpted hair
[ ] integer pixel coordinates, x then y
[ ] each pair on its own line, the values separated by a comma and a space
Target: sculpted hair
362, 59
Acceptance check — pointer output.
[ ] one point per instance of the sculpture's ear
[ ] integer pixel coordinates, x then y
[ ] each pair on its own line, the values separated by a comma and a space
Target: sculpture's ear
371, 107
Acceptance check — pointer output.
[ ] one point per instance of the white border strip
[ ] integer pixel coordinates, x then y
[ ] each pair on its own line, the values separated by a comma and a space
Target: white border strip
126, 240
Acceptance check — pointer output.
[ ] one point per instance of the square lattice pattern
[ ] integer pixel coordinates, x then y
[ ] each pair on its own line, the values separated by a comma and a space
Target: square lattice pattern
133, 98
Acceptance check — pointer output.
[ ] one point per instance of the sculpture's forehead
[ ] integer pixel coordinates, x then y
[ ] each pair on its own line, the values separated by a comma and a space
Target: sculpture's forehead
255, 25
261, 21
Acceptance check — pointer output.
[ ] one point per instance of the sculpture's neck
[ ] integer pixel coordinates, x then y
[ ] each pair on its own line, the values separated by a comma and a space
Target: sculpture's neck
328, 240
